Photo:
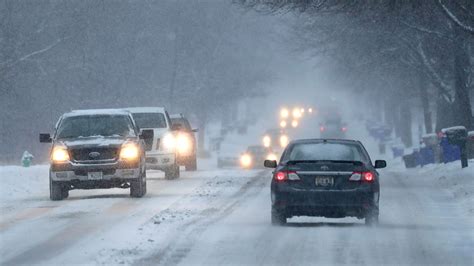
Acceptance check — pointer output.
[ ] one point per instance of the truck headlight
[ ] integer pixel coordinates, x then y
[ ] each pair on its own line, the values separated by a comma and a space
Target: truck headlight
245, 160
129, 151
60, 154
183, 144
169, 142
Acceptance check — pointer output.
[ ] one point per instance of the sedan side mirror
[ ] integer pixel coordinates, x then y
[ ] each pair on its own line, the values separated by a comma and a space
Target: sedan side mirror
380, 164
270, 163
195, 130
147, 134
45, 138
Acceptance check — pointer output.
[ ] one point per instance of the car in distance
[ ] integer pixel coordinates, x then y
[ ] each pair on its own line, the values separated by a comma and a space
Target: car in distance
327, 178
161, 150
96, 149
185, 142
333, 127
255, 155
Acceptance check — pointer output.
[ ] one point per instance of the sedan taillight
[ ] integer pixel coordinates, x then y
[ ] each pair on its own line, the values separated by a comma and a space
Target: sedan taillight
285, 175
362, 176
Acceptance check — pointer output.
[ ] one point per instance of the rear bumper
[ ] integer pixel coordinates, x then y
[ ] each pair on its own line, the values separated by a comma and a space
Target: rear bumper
327, 203
160, 161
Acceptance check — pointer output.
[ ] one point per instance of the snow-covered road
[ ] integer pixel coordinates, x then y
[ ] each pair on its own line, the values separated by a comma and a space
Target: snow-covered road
218, 217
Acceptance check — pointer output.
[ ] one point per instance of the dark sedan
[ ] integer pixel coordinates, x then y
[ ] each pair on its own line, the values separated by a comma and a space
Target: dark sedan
328, 178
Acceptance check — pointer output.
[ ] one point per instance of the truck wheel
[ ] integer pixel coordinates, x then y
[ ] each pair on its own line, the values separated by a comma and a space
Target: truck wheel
191, 165
138, 187
56, 190
172, 173
278, 217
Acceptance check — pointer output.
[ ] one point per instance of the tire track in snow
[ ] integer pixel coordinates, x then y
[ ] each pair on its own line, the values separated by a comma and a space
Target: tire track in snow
179, 247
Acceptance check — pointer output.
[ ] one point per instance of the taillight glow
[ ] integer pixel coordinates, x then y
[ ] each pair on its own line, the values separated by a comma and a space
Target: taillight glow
368, 176
362, 176
280, 176
344, 129
322, 128
286, 175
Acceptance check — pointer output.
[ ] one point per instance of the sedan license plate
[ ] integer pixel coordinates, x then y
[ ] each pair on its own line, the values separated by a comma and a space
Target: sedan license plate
94, 175
324, 181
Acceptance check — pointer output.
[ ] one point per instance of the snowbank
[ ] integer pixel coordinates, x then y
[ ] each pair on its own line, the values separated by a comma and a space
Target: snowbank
450, 176
19, 182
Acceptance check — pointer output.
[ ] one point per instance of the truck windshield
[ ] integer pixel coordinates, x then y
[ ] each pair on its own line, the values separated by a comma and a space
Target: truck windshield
182, 122
95, 125
150, 120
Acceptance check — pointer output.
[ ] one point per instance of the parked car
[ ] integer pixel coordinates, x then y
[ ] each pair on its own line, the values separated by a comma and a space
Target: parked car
186, 142
161, 150
328, 178
97, 149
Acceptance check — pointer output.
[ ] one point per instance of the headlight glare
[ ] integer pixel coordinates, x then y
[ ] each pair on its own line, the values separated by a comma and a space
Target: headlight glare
169, 142
129, 151
245, 160
60, 154
184, 144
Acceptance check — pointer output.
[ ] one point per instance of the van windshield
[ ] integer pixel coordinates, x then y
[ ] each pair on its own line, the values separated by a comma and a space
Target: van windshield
150, 120
95, 125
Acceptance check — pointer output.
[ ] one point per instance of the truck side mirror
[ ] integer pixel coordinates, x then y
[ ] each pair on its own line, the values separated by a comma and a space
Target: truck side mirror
147, 134
380, 164
45, 138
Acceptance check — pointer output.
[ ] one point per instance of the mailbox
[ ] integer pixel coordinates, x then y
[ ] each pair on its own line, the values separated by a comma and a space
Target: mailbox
456, 135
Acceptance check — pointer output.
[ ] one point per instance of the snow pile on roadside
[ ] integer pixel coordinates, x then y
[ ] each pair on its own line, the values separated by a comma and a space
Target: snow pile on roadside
450, 176
19, 182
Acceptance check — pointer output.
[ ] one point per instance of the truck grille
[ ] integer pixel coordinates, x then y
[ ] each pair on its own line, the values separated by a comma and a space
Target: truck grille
94, 154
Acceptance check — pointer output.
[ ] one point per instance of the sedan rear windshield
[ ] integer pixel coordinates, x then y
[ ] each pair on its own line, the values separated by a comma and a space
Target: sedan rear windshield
325, 152
150, 120
95, 125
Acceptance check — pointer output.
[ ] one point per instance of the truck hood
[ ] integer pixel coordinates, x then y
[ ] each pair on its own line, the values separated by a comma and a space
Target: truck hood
92, 142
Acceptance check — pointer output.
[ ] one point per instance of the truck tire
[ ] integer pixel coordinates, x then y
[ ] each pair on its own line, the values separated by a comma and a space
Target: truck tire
191, 165
278, 217
172, 172
138, 187
56, 191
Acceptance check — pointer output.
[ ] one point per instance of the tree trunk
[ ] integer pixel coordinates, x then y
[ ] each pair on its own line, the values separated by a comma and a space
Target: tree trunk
405, 125
462, 69
425, 104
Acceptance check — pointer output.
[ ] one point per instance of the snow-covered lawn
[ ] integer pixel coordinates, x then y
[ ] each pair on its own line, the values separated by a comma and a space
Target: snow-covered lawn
450, 176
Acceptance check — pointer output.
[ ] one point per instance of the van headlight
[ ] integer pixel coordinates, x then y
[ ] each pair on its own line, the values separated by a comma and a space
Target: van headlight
60, 154
129, 151
169, 142
183, 144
